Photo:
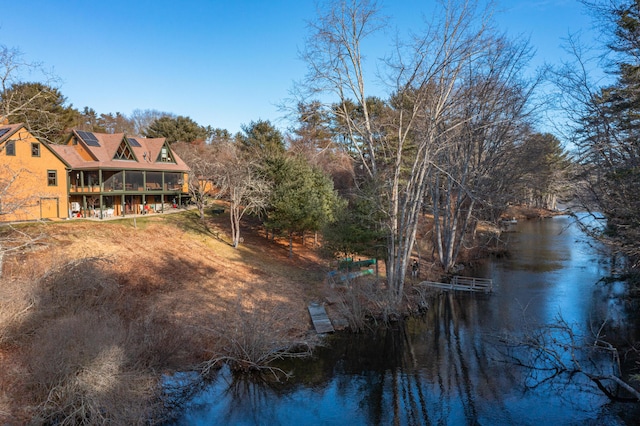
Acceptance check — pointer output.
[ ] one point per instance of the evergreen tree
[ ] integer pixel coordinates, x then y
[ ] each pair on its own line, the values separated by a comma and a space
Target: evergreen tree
176, 129
541, 165
41, 108
609, 136
356, 228
116, 123
302, 200
88, 121
262, 138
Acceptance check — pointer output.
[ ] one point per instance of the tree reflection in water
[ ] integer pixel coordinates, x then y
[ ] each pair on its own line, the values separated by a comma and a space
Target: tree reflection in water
448, 367
439, 369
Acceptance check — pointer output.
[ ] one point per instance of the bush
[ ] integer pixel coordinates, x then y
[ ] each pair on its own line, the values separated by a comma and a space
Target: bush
82, 362
17, 301
250, 339
362, 300
79, 373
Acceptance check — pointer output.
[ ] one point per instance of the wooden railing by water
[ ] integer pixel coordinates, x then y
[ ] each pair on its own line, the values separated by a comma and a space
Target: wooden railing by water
463, 284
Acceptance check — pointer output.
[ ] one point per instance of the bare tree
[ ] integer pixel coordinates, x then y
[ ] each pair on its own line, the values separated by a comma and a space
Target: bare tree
226, 172
557, 349
38, 105
11, 65
12, 200
600, 120
201, 159
237, 179
142, 119
474, 162
12, 195
397, 151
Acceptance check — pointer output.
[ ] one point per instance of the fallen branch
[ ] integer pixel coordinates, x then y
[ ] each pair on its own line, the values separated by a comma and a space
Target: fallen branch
556, 349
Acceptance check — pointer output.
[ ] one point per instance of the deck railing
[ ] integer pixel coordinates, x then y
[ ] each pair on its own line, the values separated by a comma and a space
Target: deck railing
463, 284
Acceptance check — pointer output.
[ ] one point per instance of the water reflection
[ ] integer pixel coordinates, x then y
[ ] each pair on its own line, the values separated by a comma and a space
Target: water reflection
449, 367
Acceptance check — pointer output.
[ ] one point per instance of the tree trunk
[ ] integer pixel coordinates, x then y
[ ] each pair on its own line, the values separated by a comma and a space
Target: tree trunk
434, 91
290, 244
234, 216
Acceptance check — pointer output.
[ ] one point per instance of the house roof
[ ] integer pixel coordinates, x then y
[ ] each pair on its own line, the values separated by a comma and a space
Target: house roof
100, 151
8, 130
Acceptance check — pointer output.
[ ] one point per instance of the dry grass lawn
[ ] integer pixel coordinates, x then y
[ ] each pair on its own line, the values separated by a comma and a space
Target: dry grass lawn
104, 304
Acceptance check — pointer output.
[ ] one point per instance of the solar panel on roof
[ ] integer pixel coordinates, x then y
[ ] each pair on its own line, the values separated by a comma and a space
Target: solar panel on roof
134, 142
89, 138
3, 131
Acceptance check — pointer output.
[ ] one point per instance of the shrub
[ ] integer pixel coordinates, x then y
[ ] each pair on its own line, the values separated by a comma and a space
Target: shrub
251, 338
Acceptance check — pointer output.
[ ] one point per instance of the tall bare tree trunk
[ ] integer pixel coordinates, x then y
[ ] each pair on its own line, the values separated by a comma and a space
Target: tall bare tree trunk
234, 216
1, 262
398, 151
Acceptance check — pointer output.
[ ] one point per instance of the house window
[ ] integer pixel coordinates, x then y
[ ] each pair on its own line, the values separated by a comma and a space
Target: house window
11, 148
123, 152
35, 150
52, 178
165, 156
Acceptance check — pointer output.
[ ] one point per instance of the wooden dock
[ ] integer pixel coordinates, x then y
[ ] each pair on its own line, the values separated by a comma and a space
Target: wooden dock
459, 283
319, 318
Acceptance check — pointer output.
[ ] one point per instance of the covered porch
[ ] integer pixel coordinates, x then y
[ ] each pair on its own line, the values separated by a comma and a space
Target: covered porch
110, 193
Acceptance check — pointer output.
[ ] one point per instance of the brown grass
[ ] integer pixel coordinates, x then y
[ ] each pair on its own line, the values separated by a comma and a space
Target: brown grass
90, 319
96, 313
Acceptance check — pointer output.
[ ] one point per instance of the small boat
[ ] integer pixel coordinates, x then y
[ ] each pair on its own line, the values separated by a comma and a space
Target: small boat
511, 221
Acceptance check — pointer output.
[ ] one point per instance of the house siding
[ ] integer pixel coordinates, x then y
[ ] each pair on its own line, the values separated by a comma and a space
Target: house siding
78, 180
109, 176
25, 191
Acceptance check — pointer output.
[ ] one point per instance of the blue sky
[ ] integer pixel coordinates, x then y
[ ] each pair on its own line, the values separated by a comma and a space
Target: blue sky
222, 63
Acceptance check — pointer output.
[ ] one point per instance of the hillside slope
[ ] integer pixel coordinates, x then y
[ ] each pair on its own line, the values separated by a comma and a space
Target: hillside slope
125, 301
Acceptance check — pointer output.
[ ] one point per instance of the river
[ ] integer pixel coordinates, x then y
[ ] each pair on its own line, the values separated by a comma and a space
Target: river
455, 365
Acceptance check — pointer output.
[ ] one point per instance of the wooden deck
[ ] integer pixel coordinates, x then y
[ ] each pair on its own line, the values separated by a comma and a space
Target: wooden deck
319, 318
458, 283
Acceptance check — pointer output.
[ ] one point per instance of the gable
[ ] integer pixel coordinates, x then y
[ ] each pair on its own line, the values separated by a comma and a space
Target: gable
84, 150
124, 151
165, 155
20, 146
7, 141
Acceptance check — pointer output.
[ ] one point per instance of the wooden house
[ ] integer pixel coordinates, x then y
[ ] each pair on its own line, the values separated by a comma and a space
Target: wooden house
91, 175
33, 178
117, 175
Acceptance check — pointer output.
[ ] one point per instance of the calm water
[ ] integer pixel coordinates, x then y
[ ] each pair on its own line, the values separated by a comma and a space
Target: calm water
451, 367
